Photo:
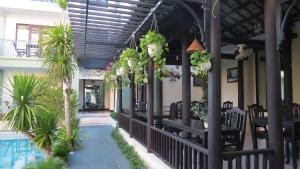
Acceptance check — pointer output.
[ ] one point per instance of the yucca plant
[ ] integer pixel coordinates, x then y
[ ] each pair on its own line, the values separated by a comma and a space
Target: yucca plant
45, 130
58, 50
25, 90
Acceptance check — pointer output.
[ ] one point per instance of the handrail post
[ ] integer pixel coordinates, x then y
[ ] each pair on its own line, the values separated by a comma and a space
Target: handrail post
149, 103
131, 102
275, 132
214, 91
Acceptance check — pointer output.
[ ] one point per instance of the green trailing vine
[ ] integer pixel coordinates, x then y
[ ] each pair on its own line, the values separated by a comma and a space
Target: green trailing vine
154, 45
135, 161
200, 61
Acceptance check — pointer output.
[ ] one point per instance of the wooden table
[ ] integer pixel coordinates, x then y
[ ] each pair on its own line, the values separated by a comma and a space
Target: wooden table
202, 133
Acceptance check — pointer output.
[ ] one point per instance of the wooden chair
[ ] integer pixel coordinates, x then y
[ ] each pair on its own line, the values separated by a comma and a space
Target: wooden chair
235, 118
227, 105
179, 110
20, 52
256, 111
296, 111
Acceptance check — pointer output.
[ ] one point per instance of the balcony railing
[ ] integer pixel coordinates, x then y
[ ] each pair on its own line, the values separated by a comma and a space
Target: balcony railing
19, 48
180, 153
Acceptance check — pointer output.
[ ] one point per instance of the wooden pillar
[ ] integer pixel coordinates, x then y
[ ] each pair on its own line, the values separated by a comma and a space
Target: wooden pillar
256, 76
131, 102
273, 89
214, 92
186, 83
158, 100
149, 104
119, 96
241, 84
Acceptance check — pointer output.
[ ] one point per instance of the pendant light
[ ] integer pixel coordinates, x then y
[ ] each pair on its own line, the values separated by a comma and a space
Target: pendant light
195, 45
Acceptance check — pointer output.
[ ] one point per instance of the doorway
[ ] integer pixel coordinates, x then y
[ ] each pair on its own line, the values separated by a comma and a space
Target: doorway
93, 95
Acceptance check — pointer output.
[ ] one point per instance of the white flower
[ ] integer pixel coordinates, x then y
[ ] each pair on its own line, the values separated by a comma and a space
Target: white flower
121, 71
154, 49
130, 63
205, 66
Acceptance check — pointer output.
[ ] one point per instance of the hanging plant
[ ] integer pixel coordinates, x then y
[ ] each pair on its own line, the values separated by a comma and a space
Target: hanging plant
154, 45
200, 61
172, 75
129, 59
118, 71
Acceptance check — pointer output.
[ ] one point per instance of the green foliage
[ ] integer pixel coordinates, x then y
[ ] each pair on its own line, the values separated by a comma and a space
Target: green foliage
128, 151
62, 4
198, 59
44, 129
25, 92
200, 114
50, 163
58, 49
160, 46
114, 115
61, 149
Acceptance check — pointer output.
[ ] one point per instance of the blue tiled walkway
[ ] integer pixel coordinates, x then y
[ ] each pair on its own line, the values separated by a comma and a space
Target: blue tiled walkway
100, 150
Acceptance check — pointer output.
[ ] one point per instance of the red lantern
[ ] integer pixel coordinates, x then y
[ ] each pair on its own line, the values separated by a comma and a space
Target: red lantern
195, 45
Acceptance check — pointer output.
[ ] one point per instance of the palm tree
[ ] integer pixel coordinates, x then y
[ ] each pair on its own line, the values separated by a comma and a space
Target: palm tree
58, 51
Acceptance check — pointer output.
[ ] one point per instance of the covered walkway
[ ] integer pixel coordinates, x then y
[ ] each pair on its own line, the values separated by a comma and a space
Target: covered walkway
100, 150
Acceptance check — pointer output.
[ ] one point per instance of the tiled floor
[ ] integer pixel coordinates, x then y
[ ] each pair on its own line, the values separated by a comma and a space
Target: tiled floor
100, 150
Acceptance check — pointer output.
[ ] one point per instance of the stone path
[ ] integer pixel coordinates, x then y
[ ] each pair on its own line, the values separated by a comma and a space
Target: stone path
100, 150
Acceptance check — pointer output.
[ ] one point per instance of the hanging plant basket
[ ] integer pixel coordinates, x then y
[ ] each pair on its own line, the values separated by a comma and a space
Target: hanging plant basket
200, 61
155, 45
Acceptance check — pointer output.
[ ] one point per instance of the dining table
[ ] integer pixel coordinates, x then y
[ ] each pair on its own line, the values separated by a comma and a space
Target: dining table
201, 132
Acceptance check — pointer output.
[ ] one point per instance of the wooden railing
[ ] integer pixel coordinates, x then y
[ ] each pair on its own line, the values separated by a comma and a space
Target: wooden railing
123, 121
182, 153
178, 152
247, 159
139, 131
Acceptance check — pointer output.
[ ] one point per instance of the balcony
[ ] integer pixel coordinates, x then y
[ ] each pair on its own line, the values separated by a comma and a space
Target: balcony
19, 48
18, 53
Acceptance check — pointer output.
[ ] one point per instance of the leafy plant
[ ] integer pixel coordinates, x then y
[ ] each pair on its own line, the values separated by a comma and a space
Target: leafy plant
200, 114
49, 163
154, 45
200, 61
114, 115
24, 93
128, 151
61, 149
58, 49
44, 130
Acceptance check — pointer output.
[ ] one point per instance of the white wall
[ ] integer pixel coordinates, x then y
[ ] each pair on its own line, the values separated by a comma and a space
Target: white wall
229, 91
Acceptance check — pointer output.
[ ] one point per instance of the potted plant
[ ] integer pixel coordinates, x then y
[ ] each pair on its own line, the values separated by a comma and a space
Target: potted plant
200, 61
154, 45
201, 115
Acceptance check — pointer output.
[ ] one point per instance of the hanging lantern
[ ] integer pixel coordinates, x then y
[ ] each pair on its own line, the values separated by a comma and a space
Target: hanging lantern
194, 46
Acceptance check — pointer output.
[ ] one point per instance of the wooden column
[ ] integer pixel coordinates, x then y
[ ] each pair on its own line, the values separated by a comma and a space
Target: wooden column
273, 88
186, 83
241, 84
119, 96
214, 92
131, 102
158, 100
149, 104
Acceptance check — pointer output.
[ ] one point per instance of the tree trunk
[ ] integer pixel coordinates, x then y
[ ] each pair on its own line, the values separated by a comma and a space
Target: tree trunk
67, 106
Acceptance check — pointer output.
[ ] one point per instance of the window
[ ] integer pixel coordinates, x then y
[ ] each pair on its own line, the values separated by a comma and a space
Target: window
28, 32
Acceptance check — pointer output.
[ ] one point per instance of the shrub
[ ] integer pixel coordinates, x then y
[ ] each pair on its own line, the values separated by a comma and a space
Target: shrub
128, 151
114, 115
50, 163
61, 149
